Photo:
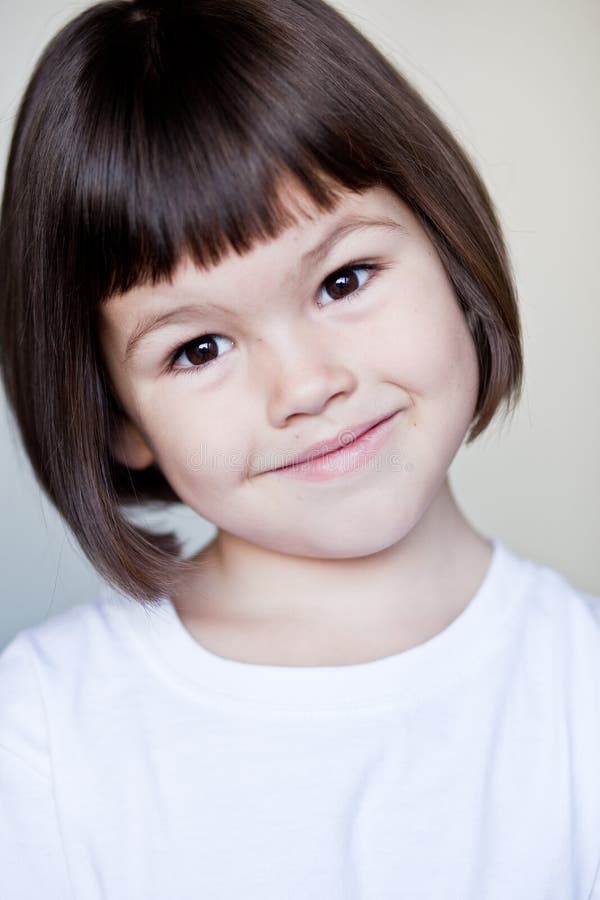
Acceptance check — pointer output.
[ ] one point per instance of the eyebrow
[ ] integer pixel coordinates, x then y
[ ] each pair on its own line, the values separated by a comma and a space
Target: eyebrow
312, 257
356, 223
187, 313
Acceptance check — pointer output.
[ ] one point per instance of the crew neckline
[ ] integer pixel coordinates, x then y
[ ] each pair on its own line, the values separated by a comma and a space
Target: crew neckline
404, 676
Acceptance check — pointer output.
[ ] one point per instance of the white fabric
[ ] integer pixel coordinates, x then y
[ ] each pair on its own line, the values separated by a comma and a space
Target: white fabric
137, 765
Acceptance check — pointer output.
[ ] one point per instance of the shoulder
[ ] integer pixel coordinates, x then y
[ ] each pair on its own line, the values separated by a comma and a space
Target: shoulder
556, 632
544, 590
552, 596
541, 595
65, 637
47, 667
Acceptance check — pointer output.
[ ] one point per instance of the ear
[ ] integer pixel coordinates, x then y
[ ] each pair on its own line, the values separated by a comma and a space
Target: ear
129, 447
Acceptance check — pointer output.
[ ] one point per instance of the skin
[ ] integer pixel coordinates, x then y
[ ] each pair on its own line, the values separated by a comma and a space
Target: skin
300, 573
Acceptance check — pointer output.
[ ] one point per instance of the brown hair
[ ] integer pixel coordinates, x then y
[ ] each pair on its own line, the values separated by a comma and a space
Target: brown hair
149, 130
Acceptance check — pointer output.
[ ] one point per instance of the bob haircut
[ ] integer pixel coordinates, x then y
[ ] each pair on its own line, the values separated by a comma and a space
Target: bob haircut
150, 131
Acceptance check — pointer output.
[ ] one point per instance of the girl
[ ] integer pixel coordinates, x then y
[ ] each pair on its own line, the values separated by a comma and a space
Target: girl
260, 278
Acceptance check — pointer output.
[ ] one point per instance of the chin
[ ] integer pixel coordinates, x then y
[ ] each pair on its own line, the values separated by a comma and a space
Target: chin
365, 539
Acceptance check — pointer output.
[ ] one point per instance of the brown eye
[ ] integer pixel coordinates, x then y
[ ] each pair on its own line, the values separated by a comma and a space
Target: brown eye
201, 351
198, 353
347, 281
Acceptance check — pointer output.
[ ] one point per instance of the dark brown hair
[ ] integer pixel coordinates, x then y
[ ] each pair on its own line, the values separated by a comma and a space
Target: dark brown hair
149, 130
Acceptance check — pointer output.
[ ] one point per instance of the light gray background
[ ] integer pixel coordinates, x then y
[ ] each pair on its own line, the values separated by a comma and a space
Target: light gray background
517, 81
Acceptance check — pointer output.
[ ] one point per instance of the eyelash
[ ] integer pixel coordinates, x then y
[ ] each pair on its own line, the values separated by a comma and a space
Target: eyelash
174, 354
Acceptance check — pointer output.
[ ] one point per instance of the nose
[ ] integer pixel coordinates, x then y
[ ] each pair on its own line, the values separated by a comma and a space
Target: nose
304, 378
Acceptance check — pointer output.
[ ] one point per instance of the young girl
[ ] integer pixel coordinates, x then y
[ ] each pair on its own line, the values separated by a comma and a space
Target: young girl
245, 268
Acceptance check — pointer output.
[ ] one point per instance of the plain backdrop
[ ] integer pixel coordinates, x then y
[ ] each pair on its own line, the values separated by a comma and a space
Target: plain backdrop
518, 82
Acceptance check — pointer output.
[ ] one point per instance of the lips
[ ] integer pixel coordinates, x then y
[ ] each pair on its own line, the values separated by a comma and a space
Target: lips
344, 438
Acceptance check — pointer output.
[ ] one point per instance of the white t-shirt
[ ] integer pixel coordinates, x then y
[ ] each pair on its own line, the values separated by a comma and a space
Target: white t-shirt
137, 765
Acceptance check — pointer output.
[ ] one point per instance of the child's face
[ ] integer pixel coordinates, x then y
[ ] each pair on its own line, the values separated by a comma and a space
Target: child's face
299, 358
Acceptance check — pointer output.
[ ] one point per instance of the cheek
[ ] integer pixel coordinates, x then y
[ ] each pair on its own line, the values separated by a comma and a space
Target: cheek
422, 337
198, 441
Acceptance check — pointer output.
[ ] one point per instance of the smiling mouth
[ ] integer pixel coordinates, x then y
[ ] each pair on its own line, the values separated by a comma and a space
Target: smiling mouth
345, 456
346, 438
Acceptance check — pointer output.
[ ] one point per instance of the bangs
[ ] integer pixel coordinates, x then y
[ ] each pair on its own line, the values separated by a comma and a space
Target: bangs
190, 130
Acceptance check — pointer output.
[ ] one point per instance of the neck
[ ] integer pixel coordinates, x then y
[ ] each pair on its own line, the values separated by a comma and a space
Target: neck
412, 589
